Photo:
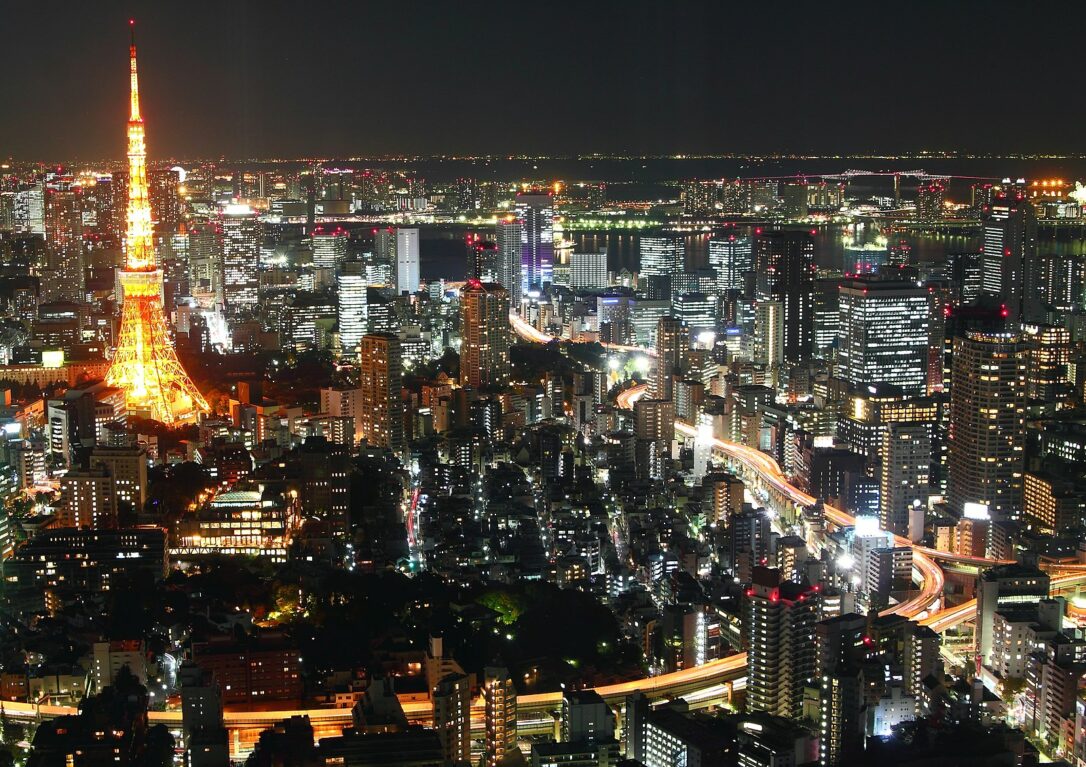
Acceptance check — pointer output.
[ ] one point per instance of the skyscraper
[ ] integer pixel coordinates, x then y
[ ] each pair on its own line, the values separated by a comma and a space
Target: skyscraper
482, 259
1009, 262
484, 334
929, 202
731, 257
507, 233
329, 247
407, 261
381, 408
987, 423
64, 237
672, 343
145, 364
903, 486
779, 634
883, 334
826, 314
696, 311
769, 333
661, 256
535, 212
352, 313
241, 257
785, 269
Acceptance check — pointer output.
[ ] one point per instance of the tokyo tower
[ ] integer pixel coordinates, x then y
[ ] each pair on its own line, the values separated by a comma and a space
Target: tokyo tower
145, 364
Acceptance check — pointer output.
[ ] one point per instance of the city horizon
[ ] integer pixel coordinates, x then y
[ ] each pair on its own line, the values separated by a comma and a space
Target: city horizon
546, 459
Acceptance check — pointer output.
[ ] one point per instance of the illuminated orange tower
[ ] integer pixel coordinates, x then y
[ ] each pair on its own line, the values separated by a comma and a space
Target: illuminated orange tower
145, 364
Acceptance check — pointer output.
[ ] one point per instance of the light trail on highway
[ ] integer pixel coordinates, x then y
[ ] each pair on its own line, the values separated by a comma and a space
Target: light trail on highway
699, 685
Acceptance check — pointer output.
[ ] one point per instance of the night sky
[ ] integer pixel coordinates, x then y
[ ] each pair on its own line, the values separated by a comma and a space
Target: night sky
276, 79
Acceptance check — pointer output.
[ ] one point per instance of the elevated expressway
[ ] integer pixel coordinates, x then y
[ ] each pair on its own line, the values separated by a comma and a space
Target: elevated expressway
709, 684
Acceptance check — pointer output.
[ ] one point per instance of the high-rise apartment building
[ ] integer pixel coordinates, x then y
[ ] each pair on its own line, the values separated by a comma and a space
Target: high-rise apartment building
987, 423
883, 334
779, 634
1049, 357
929, 202
904, 475
452, 717
484, 334
507, 234
380, 383
1000, 587
500, 711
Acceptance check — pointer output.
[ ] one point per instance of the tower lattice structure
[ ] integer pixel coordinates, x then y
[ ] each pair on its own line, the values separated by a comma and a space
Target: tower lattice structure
145, 364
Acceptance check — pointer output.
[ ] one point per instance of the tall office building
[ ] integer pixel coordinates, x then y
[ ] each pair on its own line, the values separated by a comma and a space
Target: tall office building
1009, 261
904, 475
784, 271
987, 423
329, 247
883, 334
535, 212
731, 257
352, 308
407, 261
484, 334
507, 234
661, 256
241, 257
696, 311
588, 270
500, 711
381, 408
452, 717
779, 634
